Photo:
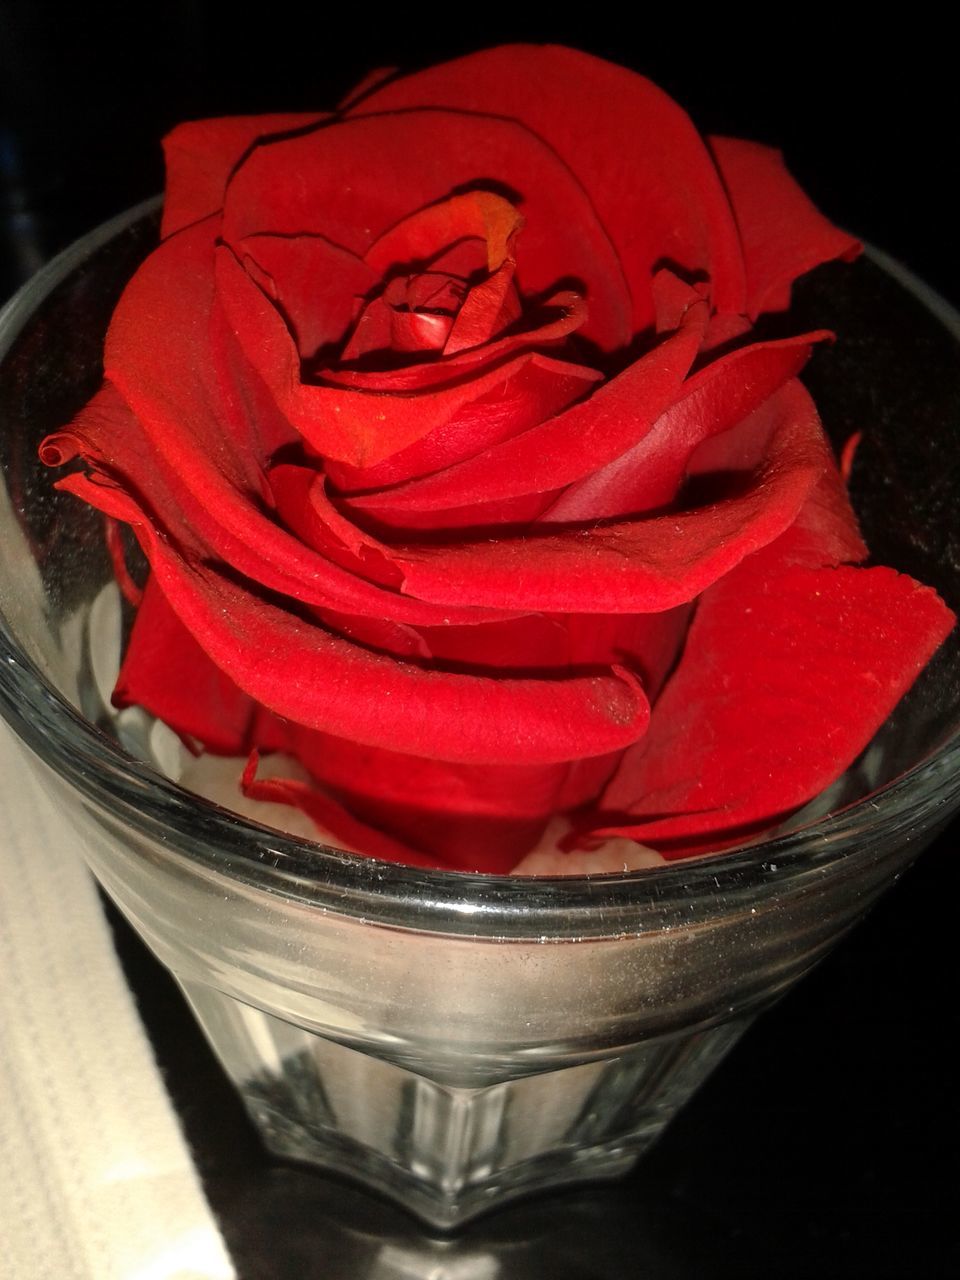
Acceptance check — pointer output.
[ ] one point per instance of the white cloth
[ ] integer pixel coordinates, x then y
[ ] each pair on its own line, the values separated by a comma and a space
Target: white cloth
96, 1182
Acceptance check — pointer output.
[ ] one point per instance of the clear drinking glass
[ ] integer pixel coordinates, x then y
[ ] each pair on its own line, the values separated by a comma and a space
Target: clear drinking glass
456, 1040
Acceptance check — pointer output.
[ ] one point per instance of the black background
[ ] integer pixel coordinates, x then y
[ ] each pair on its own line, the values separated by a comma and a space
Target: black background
827, 1144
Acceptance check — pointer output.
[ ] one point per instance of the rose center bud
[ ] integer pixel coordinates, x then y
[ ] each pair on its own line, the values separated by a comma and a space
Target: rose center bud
423, 309
449, 286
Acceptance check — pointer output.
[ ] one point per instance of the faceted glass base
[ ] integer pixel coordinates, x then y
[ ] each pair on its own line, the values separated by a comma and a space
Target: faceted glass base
448, 1152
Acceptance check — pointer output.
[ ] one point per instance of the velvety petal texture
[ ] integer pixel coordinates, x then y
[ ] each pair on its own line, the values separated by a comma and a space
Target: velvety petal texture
463, 482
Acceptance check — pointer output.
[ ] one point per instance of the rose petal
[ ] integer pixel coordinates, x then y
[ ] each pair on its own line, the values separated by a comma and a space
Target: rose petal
555, 319
648, 174
477, 819
167, 436
306, 635
372, 80
320, 182
381, 634
488, 308
825, 531
167, 673
463, 816
783, 234
200, 507
533, 643
355, 426
330, 817
647, 643
315, 284
480, 215
416, 811
561, 449
746, 731
470, 845
306, 674
642, 565
710, 403
202, 154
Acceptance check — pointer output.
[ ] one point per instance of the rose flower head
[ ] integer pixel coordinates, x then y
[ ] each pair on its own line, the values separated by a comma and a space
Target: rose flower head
465, 488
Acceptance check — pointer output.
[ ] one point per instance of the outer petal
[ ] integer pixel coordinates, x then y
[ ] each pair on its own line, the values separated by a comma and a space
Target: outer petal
784, 681
171, 473
475, 818
398, 807
783, 234
202, 154
305, 673
331, 817
167, 673
640, 160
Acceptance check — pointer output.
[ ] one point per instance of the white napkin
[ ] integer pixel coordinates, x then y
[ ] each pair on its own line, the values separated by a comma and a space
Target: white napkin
96, 1182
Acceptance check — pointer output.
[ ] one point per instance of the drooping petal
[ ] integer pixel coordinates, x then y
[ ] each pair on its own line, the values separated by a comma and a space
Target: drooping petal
305, 673
166, 468
783, 682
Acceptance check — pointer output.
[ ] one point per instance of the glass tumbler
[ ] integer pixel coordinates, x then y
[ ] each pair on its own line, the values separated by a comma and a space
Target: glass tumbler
455, 1040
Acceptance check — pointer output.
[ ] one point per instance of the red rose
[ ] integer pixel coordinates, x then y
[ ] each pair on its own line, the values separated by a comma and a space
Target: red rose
440, 426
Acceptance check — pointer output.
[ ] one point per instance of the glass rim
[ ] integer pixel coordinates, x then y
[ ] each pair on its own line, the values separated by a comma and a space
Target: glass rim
198, 833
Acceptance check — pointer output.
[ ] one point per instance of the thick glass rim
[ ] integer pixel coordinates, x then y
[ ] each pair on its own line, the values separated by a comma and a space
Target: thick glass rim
199, 834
